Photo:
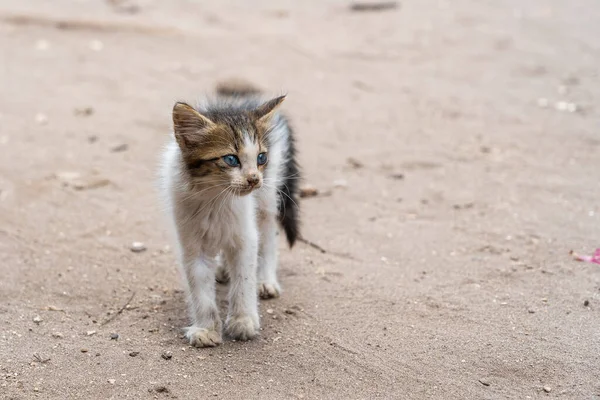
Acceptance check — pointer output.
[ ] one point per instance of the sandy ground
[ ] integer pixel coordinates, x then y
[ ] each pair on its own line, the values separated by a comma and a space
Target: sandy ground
447, 273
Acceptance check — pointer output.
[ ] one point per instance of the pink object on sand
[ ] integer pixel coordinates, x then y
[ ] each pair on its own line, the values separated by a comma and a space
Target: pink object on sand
593, 258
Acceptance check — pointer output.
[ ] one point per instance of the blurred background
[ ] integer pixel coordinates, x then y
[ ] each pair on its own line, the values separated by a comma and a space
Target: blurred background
450, 159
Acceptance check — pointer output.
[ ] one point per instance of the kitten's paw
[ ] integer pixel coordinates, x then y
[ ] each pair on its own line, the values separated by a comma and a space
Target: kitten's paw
268, 290
222, 275
243, 327
202, 337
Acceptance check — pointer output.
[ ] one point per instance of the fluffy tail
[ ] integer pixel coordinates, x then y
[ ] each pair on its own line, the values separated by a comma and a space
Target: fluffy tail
236, 87
289, 212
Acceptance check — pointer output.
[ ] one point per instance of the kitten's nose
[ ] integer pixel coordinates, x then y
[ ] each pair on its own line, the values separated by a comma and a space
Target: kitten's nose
253, 179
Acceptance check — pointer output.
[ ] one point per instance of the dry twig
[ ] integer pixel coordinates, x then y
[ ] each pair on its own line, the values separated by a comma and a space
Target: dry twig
118, 312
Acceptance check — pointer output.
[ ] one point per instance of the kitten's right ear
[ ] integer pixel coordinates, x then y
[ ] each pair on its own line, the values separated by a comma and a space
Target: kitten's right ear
188, 123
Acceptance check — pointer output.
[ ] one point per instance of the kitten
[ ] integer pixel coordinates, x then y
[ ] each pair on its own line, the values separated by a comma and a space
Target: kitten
229, 175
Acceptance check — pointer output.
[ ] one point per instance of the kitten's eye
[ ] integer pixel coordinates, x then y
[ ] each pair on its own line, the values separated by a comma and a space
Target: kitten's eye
231, 160
261, 159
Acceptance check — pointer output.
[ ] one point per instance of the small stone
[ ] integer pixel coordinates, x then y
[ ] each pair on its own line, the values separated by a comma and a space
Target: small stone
84, 112
134, 353
84, 350
485, 382
96, 45
531, 311
167, 355
57, 335
42, 45
137, 247
586, 303
354, 163
340, 183
270, 311
396, 177
114, 336
41, 119
542, 102
561, 105
112, 381
90, 333
89, 183
119, 148
36, 389
308, 191
547, 389
37, 319
288, 311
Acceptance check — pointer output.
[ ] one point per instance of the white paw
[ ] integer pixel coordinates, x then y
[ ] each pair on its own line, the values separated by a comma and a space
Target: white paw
243, 327
202, 337
268, 290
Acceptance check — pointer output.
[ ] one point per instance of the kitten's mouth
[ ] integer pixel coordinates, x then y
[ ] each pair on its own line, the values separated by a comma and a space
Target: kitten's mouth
246, 190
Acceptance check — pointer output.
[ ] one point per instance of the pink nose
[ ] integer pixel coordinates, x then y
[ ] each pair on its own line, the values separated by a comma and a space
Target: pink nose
253, 179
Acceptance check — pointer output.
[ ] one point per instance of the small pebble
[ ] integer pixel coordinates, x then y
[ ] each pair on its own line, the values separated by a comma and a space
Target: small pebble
167, 355
308, 191
96, 45
586, 303
561, 106
396, 177
542, 102
84, 350
37, 319
84, 112
134, 353
138, 247
270, 311
354, 163
531, 311
288, 311
114, 336
112, 381
484, 382
41, 119
547, 389
90, 333
57, 335
42, 45
340, 183
119, 148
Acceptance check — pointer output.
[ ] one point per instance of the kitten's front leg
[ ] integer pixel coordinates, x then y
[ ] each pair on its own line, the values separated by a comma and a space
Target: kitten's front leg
205, 330
268, 287
242, 319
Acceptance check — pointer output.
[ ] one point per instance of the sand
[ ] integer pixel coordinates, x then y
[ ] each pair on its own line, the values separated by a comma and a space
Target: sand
446, 273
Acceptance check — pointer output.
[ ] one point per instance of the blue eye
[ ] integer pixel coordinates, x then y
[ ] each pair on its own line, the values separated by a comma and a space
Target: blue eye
231, 160
261, 159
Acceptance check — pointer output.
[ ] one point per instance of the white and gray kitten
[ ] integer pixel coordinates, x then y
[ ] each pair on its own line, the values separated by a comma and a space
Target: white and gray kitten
229, 176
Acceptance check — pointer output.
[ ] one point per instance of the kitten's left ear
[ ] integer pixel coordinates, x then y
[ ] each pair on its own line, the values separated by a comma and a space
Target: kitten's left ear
266, 110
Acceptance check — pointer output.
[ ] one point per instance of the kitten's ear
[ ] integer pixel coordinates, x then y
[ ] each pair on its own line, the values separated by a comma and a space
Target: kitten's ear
266, 110
188, 123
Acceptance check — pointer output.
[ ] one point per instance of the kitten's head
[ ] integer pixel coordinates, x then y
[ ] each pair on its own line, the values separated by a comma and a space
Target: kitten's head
225, 148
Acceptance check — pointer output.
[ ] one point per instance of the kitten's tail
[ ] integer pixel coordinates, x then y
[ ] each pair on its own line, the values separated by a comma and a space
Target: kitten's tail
289, 211
236, 87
